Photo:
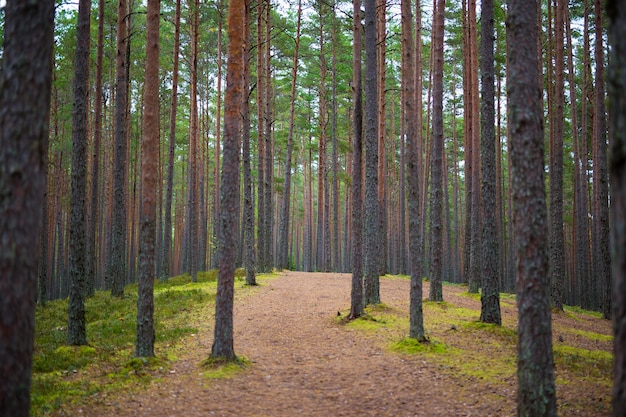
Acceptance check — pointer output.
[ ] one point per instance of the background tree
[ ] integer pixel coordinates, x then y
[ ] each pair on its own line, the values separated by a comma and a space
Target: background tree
149, 158
166, 252
76, 331
436, 202
536, 394
490, 295
371, 266
557, 262
356, 297
118, 268
229, 200
24, 128
416, 328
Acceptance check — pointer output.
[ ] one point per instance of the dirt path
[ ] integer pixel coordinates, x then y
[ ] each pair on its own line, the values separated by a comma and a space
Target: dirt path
304, 364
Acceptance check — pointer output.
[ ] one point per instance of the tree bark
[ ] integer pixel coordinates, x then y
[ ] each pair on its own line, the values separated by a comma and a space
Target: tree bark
416, 326
616, 12
490, 295
229, 198
149, 160
356, 295
248, 208
24, 120
601, 233
557, 245
371, 225
166, 256
536, 395
76, 327
118, 270
436, 202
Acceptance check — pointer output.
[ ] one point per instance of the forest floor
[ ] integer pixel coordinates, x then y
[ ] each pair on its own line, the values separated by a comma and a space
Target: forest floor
304, 360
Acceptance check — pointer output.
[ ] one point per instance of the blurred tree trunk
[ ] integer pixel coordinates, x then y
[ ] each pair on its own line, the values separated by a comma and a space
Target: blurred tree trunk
24, 130
536, 395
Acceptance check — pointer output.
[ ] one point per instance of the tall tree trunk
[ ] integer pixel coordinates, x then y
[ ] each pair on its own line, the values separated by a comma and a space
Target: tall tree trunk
372, 266
490, 296
166, 256
192, 191
356, 294
416, 326
149, 159
76, 326
269, 150
616, 12
557, 245
468, 148
218, 132
436, 202
24, 130
248, 207
475, 229
601, 254
381, 49
283, 260
260, 99
536, 394
335, 151
229, 200
118, 270
91, 252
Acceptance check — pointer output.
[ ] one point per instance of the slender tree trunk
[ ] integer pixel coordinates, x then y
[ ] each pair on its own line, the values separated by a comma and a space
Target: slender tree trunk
436, 202
601, 254
335, 260
192, 191
166, 256
475, 232
490, 296
118, 270
283, 260
416, 327
381, 49
229, 199
24, 130
536, 394
91, 263
372, 266
149, 159
248, 203
76, 326
356, 297
557, 245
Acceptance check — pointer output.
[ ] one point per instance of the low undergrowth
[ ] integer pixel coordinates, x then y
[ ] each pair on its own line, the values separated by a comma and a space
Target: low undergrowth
66, 374
485, 354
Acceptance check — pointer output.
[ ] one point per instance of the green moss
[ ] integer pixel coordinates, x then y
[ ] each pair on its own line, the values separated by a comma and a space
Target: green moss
507, 334
219, 368
583, 362
595, 337
575, 312
64, 358
111, 332
413, 346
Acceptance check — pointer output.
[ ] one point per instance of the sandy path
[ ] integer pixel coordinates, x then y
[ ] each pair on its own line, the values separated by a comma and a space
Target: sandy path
303, 364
